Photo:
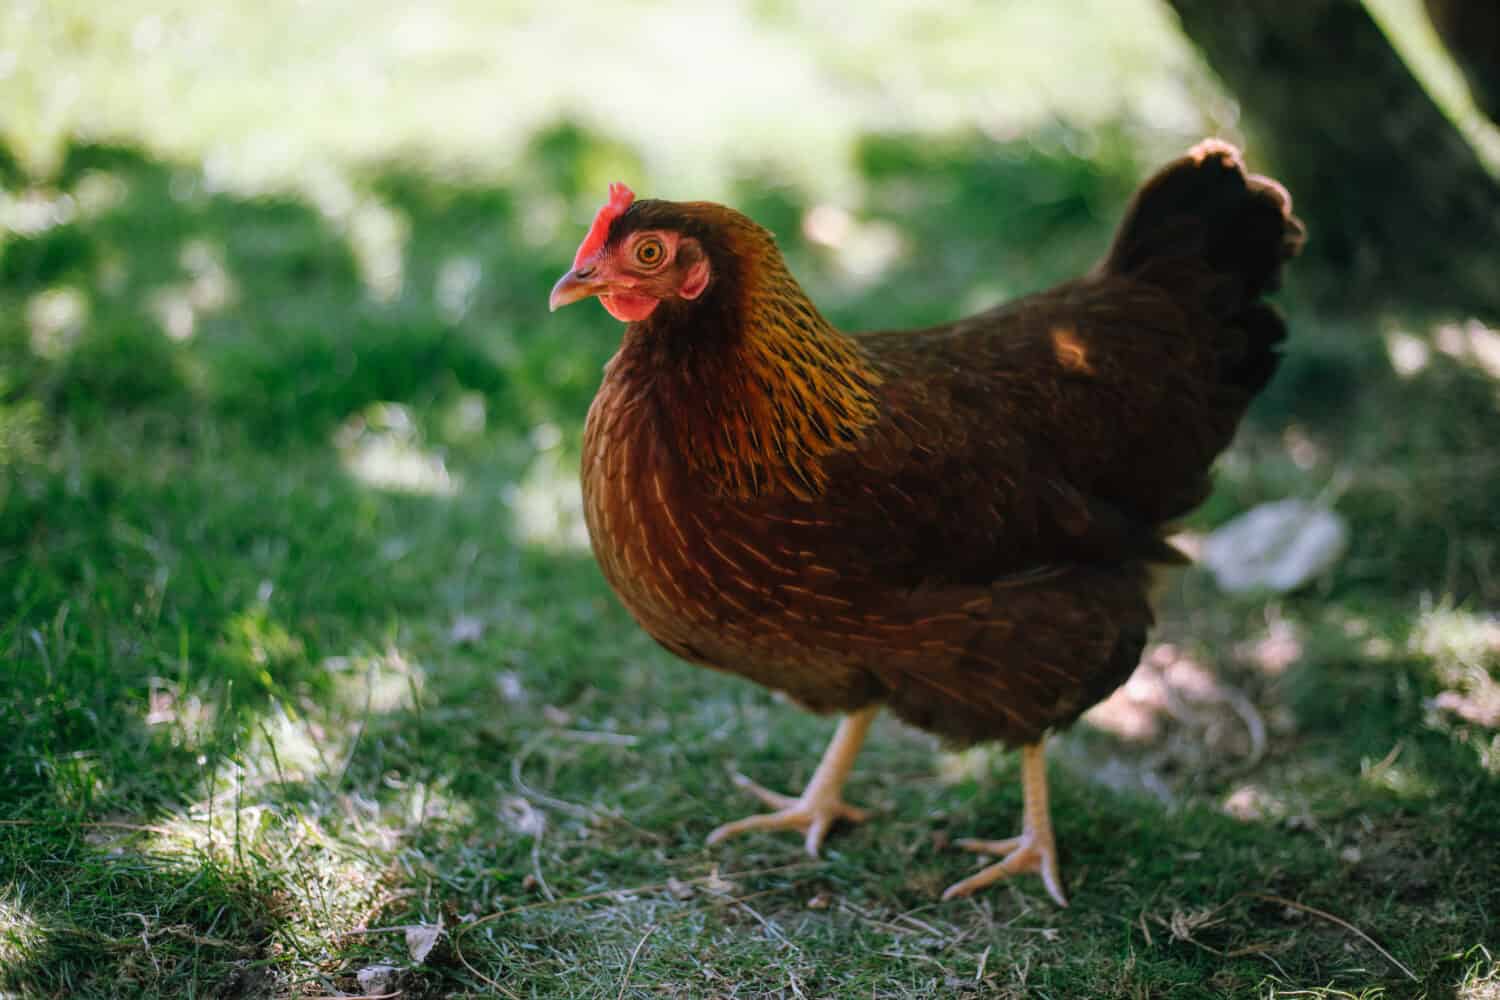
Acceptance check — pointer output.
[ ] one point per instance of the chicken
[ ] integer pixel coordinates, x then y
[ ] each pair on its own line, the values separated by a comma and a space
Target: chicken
957, 523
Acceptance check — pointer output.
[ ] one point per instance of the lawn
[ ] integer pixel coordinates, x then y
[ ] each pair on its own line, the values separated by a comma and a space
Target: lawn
309, 686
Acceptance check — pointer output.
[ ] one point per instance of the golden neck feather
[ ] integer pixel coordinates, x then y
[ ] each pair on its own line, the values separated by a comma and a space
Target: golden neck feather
762, 409
808, 391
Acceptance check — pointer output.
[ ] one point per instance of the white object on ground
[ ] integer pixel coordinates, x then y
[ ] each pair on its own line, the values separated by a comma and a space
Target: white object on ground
1276, 546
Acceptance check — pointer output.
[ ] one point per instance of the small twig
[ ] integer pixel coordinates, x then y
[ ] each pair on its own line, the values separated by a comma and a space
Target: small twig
146, 940
984, 959
1390, 758
630, 966
1255, 725
771, 928
186, 933
959, 939
1192, 940
884, 924
870, 918
921, 924
536, 867
1259, 951
491, 983
593, 736
909, 956
1341, 922
378, 907
518, 762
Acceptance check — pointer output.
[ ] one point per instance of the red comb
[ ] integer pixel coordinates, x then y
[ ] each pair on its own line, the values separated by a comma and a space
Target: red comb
620, 198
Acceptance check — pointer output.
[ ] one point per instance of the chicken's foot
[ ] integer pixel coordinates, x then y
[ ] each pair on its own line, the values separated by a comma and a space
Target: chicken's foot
1034, 850
821, 803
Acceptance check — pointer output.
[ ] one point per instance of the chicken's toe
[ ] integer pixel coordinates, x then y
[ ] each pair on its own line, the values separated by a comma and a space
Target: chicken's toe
1028, 853
995, 847
814, 814
774, 799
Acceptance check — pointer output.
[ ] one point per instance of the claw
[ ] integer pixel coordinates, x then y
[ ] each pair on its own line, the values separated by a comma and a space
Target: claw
1027, 853
814, 813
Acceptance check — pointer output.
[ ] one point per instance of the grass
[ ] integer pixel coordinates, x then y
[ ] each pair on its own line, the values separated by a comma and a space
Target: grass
302, 657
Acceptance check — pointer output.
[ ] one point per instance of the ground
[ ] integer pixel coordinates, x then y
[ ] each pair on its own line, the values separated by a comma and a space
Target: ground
310, 687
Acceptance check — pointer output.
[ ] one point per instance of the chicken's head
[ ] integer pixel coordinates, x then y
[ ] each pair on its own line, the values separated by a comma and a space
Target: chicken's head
633, 260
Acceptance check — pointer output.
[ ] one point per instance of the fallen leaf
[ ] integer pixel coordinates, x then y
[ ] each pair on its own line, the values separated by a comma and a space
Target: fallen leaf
420, 939
376, 980
1275, 546
718, 885
1474, 707
522, 817
465, 628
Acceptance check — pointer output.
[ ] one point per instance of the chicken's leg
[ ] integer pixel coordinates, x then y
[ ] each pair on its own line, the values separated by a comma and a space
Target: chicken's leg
821, 802
1034, 850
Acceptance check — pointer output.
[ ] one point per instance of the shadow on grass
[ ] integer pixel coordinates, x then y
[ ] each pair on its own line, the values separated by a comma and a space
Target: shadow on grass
92, 917
187, 561
274, 548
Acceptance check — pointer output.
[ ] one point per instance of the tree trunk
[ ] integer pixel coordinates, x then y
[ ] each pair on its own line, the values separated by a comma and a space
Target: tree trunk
1471, 31
1399, 207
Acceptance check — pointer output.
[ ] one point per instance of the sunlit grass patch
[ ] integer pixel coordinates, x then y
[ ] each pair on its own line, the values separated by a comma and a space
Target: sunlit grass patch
547, 503
382, 447
126, 921
1481, 980
19, 932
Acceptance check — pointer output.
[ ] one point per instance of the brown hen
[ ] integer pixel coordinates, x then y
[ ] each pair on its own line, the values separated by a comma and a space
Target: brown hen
957, 523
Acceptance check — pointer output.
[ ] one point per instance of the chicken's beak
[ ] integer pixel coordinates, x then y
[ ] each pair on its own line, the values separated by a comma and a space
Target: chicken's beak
579, 283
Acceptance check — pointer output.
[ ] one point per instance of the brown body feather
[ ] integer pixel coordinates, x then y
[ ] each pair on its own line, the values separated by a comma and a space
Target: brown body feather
957, 522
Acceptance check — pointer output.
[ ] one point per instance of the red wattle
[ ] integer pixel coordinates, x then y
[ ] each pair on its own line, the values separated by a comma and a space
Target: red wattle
628, 307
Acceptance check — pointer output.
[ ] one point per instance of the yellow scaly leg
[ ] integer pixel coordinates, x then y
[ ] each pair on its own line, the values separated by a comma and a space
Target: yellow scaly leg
821, 802
1034, 850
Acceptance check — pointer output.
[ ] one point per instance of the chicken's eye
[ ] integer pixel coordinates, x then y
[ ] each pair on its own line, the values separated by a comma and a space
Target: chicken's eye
650, 252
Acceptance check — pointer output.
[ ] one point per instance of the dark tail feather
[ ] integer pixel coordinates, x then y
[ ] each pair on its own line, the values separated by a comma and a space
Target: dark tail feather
1205, 229
1205, 205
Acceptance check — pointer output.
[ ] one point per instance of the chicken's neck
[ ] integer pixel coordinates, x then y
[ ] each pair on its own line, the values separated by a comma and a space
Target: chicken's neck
758, 388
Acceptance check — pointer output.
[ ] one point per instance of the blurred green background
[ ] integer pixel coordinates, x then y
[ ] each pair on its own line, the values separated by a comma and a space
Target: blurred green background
300, 641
